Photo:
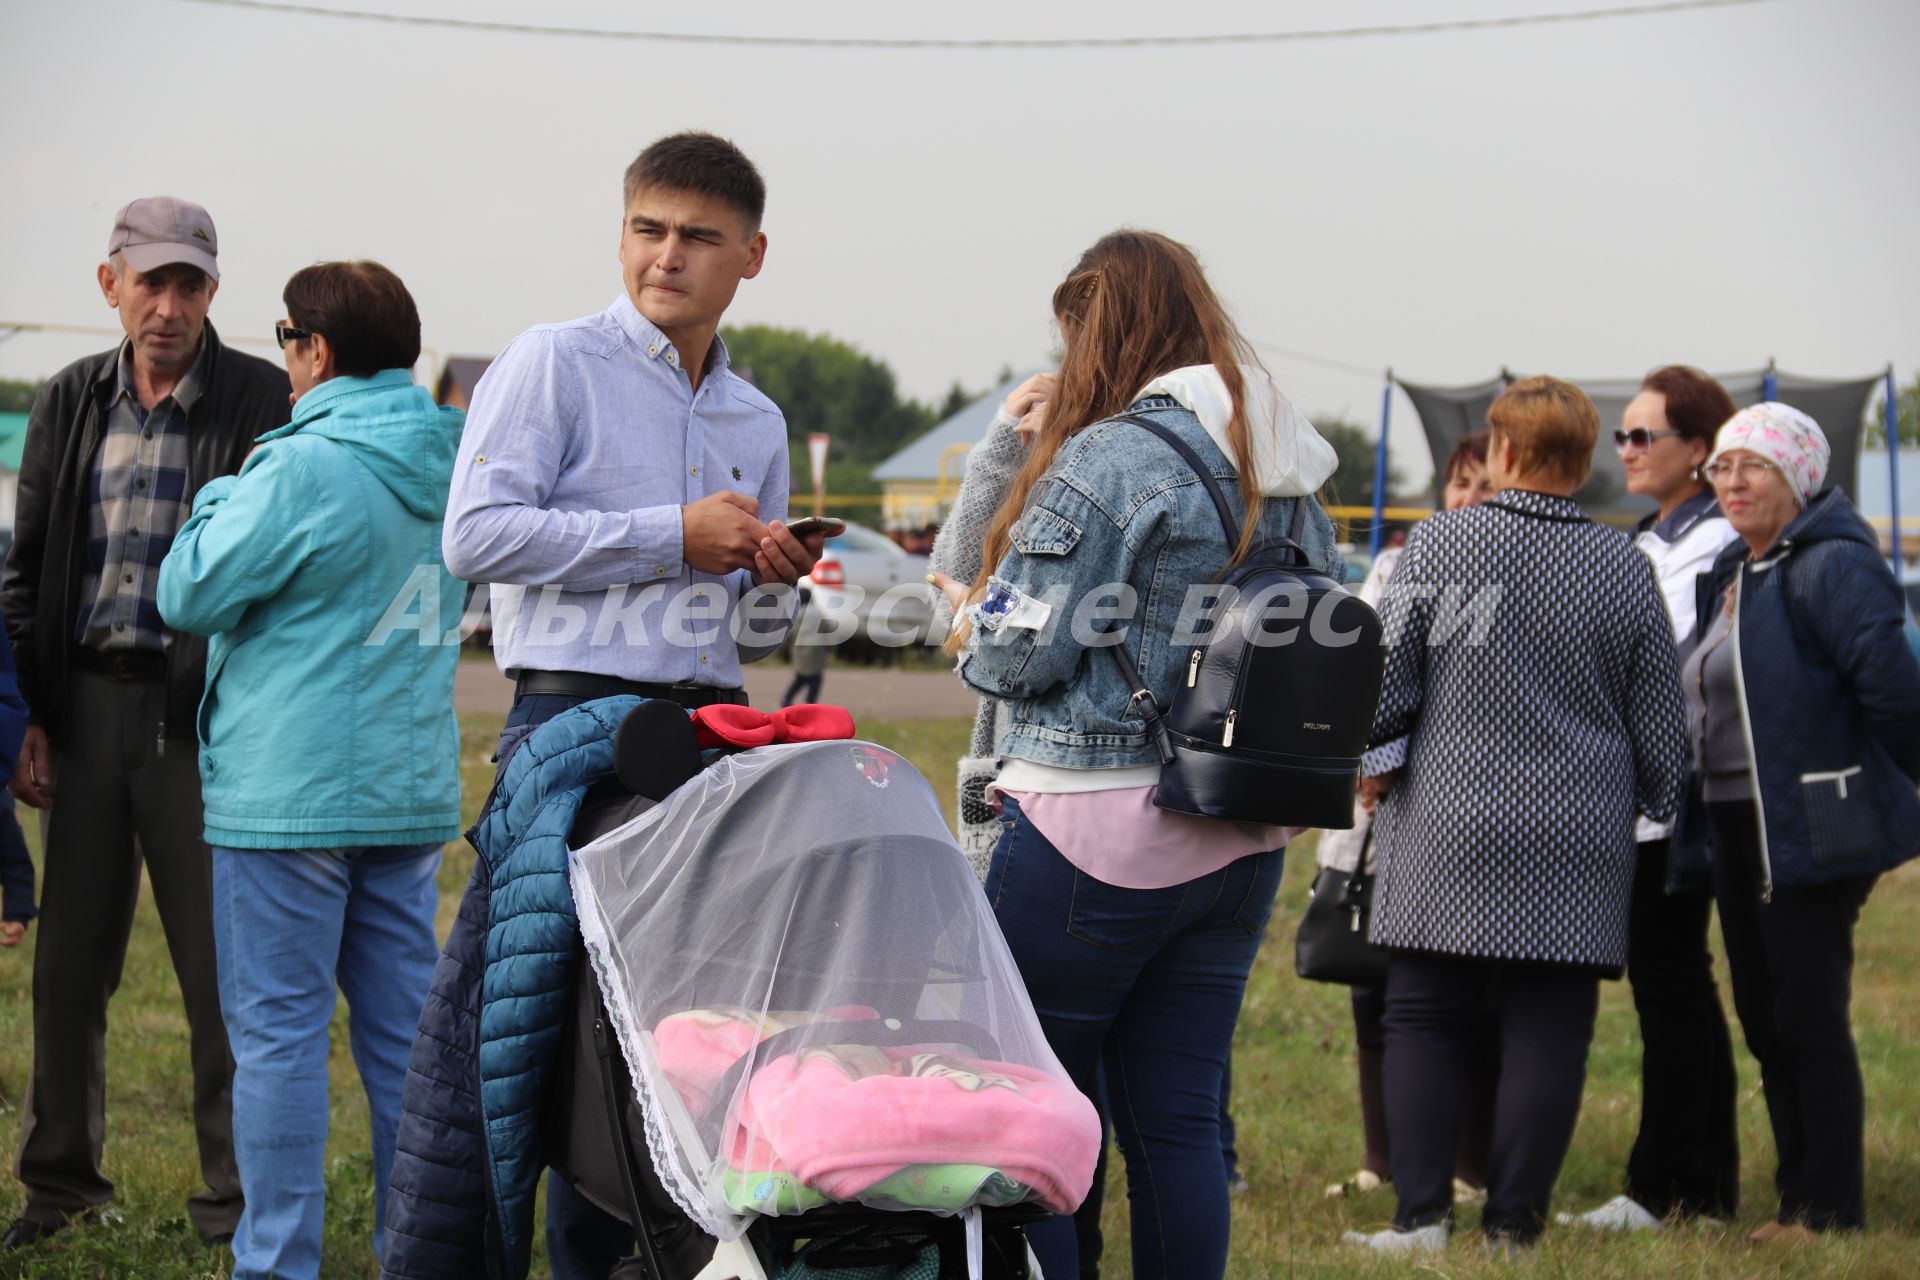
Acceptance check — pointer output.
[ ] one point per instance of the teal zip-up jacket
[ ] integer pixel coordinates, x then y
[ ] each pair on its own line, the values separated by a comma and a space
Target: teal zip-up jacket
328, 716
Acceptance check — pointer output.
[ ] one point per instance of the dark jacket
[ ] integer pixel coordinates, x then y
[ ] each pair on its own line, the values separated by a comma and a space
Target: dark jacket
1830, 695
470, 1149
439, 1201
40, 592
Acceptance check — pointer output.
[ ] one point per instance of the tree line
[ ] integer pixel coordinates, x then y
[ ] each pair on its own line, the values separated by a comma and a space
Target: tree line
824, 384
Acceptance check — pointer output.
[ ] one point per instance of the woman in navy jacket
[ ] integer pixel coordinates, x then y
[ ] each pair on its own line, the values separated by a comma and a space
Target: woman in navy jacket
1805, 705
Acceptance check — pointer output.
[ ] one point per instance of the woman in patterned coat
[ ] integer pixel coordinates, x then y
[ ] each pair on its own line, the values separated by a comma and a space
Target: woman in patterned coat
1531, 710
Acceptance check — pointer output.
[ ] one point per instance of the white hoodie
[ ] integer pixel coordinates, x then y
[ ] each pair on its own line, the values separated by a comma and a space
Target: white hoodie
1290, 456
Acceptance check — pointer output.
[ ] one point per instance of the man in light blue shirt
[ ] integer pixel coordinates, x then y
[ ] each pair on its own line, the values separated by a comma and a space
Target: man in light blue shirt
622, 488
625, 493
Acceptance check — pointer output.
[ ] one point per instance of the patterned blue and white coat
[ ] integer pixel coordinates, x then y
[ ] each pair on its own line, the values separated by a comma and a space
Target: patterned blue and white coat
1532, 705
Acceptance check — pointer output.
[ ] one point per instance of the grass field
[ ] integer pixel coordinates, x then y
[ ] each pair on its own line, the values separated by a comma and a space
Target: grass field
1294, 1102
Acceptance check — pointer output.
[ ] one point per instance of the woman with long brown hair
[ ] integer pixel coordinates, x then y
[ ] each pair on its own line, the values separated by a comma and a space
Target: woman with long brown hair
1134, 927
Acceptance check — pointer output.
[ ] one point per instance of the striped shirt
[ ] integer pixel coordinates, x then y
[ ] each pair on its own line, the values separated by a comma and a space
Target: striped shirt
137, 502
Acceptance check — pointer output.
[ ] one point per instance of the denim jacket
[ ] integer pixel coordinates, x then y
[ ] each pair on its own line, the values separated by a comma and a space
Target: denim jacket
1121, 535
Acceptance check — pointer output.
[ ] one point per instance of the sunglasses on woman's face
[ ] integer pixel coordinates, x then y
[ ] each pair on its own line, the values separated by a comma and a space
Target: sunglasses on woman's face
285, 333
1638, 440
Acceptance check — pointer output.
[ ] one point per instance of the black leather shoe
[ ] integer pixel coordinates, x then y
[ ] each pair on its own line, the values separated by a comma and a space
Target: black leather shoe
24, 1232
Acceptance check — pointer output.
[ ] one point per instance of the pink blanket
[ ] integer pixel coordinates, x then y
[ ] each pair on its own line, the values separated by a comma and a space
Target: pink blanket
697, 1047
841, 1117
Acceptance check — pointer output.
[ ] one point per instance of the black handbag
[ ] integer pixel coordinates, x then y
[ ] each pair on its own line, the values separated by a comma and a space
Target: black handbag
1332, 945
1271, 720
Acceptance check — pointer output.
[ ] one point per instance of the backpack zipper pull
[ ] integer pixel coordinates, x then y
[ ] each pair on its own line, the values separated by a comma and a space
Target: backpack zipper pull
1193, 667
1226, 738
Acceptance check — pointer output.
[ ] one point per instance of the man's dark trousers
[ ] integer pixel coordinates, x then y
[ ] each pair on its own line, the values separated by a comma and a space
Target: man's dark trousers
119, 799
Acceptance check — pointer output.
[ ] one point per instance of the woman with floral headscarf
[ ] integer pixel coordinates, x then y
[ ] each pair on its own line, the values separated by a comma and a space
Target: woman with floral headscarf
1805, 703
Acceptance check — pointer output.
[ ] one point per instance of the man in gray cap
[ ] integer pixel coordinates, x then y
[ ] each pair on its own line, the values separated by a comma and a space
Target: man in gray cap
117, 446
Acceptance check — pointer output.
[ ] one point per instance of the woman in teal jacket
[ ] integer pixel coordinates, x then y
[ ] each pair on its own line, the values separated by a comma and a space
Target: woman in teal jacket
329, 754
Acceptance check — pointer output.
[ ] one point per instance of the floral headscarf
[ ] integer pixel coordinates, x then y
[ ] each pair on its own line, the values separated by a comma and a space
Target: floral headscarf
1783, 436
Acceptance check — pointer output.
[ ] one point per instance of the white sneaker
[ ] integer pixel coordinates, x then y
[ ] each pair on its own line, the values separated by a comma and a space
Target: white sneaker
1622, 1213
1428, 1239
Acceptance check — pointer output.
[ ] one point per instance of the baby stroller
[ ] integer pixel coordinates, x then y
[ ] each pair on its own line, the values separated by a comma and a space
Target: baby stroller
797, 1021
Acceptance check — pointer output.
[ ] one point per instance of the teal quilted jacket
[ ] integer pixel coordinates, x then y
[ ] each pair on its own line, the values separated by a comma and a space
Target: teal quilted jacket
468, 1158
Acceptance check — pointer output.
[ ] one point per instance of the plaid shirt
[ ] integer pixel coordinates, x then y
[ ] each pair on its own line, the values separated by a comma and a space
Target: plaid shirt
138, 495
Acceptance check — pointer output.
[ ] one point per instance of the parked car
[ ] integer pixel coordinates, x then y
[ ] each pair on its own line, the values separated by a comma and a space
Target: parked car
476, 620
865, 584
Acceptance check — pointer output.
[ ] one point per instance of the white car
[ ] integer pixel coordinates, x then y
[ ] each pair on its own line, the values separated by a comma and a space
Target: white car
864, 584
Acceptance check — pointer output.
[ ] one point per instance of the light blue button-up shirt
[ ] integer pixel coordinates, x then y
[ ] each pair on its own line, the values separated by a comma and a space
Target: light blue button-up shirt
582, 443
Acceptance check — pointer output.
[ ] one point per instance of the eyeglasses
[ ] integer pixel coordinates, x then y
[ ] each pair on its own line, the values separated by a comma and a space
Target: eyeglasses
1747, 468
285, 333
1639, 440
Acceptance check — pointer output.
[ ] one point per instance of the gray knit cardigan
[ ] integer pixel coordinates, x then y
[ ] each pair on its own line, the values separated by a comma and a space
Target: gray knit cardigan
991, 467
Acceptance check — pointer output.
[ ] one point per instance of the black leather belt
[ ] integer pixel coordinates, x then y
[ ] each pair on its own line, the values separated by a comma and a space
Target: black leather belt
122, 664
581, 684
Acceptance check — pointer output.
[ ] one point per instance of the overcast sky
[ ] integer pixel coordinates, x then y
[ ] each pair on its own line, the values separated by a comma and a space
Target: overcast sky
1716, 186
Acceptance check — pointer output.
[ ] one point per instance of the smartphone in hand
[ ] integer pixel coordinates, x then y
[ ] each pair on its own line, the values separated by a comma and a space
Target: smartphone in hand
827, 526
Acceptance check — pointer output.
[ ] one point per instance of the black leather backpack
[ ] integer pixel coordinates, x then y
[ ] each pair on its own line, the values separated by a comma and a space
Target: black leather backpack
1278, 697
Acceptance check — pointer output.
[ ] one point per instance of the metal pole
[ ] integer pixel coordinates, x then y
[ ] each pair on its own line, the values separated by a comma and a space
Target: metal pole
1893, 465
1380, 467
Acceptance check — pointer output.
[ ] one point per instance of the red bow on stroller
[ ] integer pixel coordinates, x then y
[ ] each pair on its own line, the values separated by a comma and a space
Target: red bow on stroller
727, 726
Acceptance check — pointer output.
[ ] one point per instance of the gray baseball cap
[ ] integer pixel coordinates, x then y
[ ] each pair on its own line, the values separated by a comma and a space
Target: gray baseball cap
158, 230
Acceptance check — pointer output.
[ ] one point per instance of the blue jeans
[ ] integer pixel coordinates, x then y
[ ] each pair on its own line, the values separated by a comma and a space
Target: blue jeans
288, 925
1147, 982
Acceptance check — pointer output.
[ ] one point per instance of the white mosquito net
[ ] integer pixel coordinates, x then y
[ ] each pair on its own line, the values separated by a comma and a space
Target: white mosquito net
815, 1002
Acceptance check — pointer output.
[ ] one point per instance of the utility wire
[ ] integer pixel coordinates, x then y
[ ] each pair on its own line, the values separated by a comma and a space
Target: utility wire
1345, 366
996, 42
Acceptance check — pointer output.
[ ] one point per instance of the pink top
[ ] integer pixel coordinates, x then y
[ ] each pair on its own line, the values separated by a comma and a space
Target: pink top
1118, 837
